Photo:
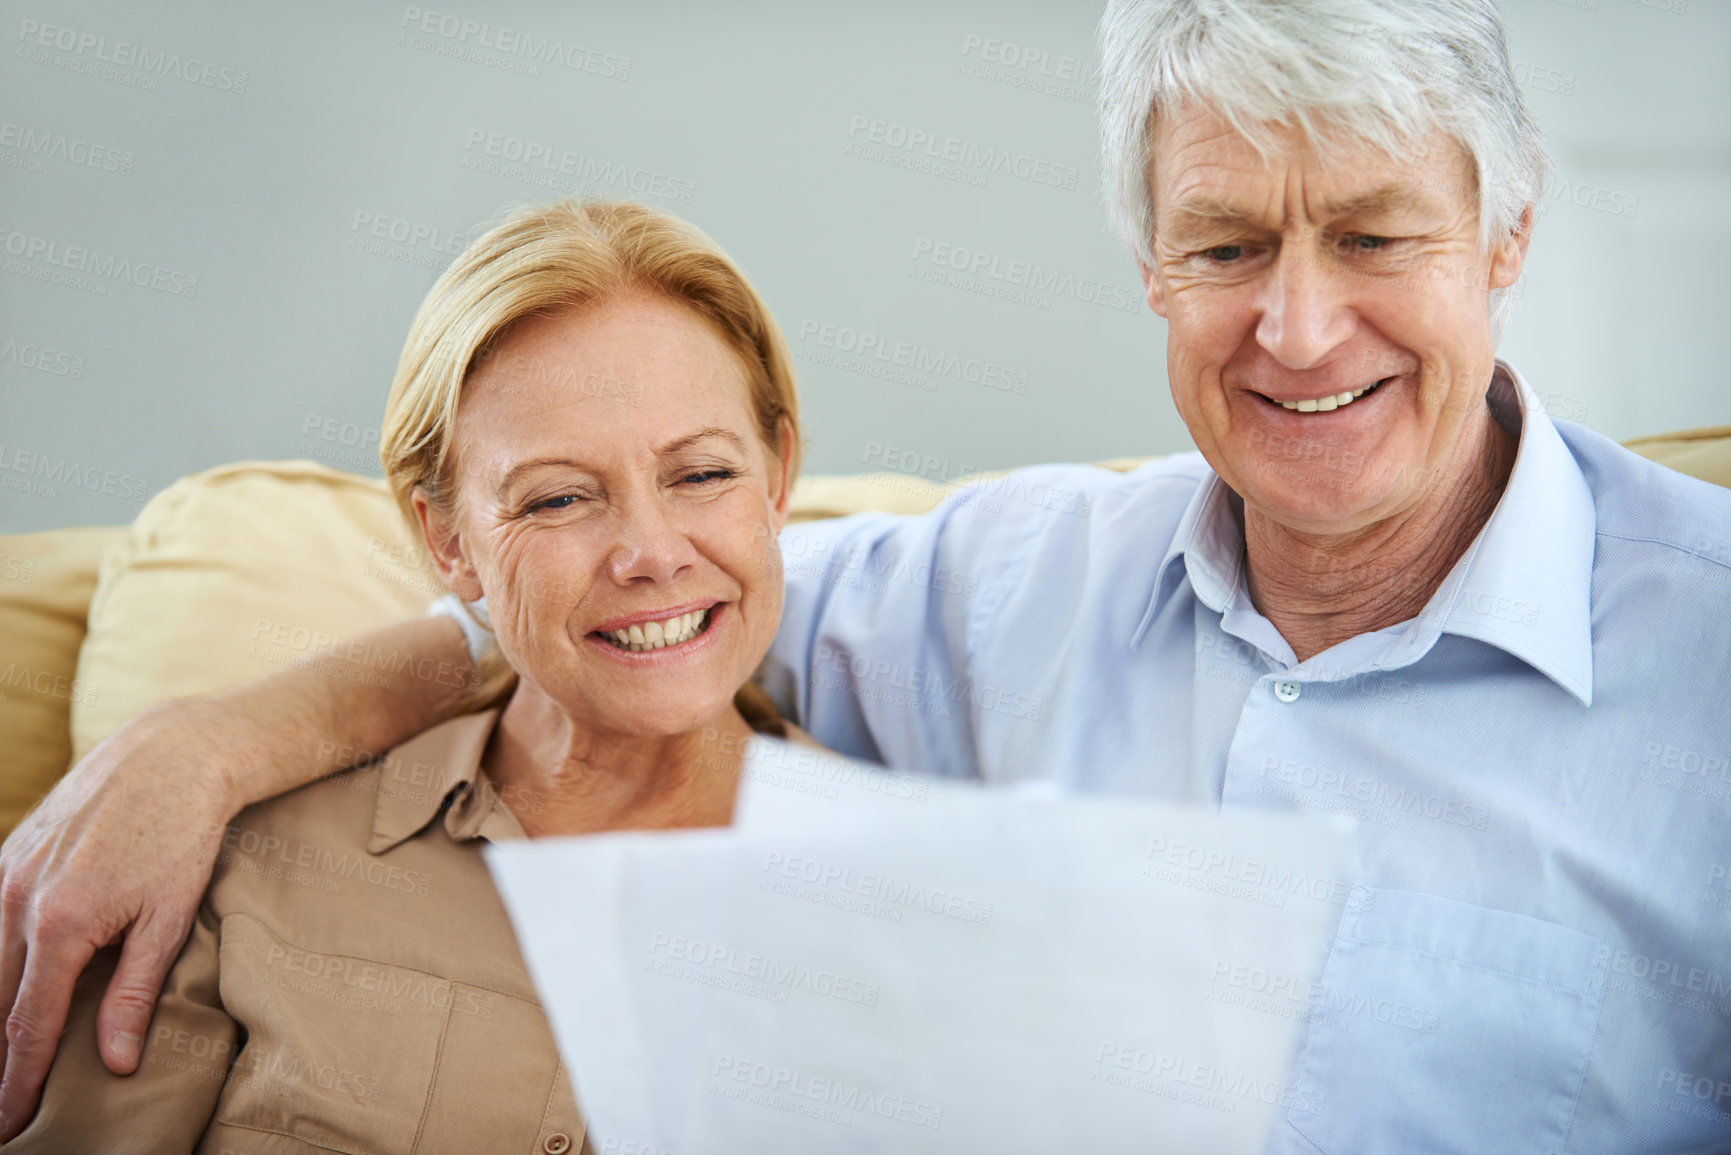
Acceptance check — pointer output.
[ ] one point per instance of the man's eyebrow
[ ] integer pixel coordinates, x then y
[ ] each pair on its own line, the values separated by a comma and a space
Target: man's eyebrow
1210, 209
1386, 199
673, 446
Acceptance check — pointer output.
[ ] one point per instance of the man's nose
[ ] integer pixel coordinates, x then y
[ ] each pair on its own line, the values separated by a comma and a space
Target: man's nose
652, 545
1304, 311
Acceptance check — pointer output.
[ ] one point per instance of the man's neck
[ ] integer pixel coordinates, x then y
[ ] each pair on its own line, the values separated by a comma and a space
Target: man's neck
558, 777
1320, 590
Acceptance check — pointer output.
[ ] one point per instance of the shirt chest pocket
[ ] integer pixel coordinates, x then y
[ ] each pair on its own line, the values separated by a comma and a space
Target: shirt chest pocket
499, 1084
1442, 1026
354, 1055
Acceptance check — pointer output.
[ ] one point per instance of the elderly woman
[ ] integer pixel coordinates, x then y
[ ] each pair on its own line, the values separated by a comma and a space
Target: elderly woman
352, 983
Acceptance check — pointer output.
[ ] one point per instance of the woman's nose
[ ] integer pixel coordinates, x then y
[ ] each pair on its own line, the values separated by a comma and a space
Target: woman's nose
651, 547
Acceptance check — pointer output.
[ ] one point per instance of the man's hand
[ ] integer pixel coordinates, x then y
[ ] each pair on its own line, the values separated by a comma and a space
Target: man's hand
124, 845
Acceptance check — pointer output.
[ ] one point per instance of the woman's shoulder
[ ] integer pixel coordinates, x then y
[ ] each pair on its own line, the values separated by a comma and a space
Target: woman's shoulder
337, 810
404, 787
351, 838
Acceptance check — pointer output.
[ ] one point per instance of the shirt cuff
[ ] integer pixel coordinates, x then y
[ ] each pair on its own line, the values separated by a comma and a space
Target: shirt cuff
471, 618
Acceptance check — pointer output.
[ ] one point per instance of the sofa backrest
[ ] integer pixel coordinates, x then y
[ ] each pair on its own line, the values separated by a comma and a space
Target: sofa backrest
230, 573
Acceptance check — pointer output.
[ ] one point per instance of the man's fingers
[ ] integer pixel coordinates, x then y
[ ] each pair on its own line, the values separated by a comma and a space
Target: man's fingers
33, 1029
14, 921
151, 948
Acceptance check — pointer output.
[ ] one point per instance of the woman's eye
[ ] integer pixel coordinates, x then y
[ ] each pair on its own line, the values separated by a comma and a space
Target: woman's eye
705, 476
563, 501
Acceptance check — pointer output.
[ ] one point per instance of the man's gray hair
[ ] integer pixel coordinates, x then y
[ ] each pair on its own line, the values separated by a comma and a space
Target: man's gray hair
1384, 72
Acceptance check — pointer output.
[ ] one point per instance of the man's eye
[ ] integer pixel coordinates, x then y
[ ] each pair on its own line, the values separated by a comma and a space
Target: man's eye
1224, 254
563, 501
1368, 244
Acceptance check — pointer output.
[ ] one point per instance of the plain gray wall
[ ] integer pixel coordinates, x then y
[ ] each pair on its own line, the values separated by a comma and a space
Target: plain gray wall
237, 160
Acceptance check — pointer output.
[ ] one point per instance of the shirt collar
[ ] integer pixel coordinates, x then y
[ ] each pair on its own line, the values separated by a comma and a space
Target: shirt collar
1523, 586
416, 778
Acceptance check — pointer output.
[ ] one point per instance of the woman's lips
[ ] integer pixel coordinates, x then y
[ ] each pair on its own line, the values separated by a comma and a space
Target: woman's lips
641, 617
675, 631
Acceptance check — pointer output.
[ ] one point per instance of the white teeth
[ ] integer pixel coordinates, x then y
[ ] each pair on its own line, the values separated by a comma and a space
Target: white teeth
1324, 404
659, 635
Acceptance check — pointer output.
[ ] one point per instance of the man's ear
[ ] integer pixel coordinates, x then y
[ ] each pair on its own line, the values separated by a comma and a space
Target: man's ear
781, 474
1152, 289
1510, 253
445, 546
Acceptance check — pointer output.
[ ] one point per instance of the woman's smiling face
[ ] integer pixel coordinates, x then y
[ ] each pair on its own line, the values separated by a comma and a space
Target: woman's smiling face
616, 504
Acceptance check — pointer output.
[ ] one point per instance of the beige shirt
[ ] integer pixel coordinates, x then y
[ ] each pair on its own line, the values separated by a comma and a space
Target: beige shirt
351, 984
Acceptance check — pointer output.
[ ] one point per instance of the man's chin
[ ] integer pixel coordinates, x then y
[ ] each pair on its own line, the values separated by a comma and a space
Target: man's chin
1316, 505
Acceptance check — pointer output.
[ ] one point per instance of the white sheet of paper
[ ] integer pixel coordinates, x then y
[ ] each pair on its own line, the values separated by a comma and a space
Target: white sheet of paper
871, 962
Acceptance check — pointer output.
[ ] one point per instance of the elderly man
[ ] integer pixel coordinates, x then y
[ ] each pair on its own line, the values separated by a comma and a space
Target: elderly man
1388, 585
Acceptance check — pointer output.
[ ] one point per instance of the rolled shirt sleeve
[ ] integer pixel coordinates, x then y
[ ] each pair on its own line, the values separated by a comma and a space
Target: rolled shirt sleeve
165, 1106
884, 617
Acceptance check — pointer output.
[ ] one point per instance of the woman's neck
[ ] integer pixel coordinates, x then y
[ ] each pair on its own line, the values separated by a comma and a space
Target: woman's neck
558, 777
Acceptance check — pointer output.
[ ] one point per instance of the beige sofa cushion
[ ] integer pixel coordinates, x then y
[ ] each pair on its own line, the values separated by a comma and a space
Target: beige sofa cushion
46, 580
1703, 453
230, 573
837, 495
233, 573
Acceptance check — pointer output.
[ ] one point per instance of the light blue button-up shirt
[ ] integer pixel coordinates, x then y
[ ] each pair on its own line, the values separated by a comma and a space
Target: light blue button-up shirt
1534, 952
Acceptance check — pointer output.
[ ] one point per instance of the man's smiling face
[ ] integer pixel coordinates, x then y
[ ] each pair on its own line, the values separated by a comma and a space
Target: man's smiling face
1330, 338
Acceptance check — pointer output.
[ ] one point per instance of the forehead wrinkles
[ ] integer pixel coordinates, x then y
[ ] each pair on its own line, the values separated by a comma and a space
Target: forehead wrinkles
1215, 169
1306, 193
1205, 167
1221, 174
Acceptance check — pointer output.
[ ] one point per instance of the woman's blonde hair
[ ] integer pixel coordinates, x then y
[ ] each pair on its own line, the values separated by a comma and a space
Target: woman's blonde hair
549, 257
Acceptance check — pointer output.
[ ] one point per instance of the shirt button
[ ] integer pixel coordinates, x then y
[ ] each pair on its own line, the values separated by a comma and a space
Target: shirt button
557, 1143
1288, 691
